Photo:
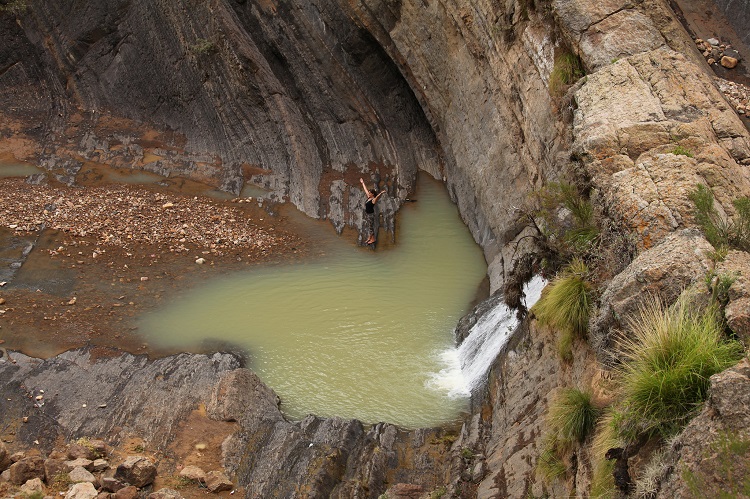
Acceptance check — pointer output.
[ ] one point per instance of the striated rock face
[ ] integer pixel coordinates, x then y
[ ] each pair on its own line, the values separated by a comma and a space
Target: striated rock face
318, 457
480, 72
267, 455
294, 97
106, 397
738, 14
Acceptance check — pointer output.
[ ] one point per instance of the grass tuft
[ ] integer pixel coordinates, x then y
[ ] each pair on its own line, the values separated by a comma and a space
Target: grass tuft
572, 416
718, 231
550, 465
682, 151
605, 438
567, 69
566, 302
668, 360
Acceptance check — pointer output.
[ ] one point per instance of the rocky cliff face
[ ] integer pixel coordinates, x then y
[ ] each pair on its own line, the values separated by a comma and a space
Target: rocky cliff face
305, 97
294, 97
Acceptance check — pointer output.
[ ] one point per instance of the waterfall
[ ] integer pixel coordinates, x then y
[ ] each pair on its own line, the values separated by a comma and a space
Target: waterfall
468, 364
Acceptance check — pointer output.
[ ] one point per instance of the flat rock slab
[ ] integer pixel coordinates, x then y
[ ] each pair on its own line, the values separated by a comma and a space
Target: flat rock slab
142, 396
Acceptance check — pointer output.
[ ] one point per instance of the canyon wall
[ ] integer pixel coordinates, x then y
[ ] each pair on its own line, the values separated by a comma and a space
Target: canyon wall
305, 98
292, 97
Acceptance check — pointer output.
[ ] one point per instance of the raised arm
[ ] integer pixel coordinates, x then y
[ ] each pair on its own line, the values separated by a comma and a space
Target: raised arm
378, 196
367, 191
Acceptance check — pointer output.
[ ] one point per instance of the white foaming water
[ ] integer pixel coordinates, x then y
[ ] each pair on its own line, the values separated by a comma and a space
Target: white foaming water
467, 365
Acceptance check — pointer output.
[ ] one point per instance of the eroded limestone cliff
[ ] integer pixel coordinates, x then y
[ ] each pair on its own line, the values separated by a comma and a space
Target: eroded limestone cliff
305, 97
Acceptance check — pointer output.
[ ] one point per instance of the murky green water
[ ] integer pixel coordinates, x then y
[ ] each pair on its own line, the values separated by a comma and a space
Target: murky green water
357, 334
16, 169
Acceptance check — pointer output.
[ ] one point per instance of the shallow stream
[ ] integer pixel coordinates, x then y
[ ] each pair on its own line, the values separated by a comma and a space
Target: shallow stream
356, 333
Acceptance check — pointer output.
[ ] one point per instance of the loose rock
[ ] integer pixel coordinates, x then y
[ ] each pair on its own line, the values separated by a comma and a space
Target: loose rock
216, 481
80, 474
4, 457
82, 462
165, 494
137, 470
32, 486
26, 469
129, 492
83, 490
728, 62
193, 473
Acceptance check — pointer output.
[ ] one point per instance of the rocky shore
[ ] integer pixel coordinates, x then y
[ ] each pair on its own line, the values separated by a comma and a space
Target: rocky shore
125, 216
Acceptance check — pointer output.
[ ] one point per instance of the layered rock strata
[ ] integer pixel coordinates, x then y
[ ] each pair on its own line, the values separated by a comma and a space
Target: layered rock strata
293, 97
83, 394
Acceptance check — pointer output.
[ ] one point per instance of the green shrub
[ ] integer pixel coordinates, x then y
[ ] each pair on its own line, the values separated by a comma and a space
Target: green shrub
203, 46
584, 230
550, 464
15, 7
718, 231
566, 302
668, 359
605, 438
719, 284
567, 70
572, 416
682, 151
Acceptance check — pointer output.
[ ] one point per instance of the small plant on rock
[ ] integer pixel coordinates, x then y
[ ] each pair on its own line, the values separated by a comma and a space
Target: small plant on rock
682, 151
203, 46
667, 361
15, 7
722, 233
567, 70
566, 302
550, 464
572, 415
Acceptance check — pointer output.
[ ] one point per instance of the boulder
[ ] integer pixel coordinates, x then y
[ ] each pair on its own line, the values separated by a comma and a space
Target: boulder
54, 467
405, 491
136, 470
111, 484
129, 492
664, 271
216, 481
83, 490
26, 469
193, 473
5, 476
240, 393
33, 486
80, 451
80, 462
99, 465
80, 474
165, 494
728, 62
737, 312
4, 457
99, 447
712, 449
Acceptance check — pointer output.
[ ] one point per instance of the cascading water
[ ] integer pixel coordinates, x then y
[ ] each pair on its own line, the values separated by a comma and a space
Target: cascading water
469, 363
